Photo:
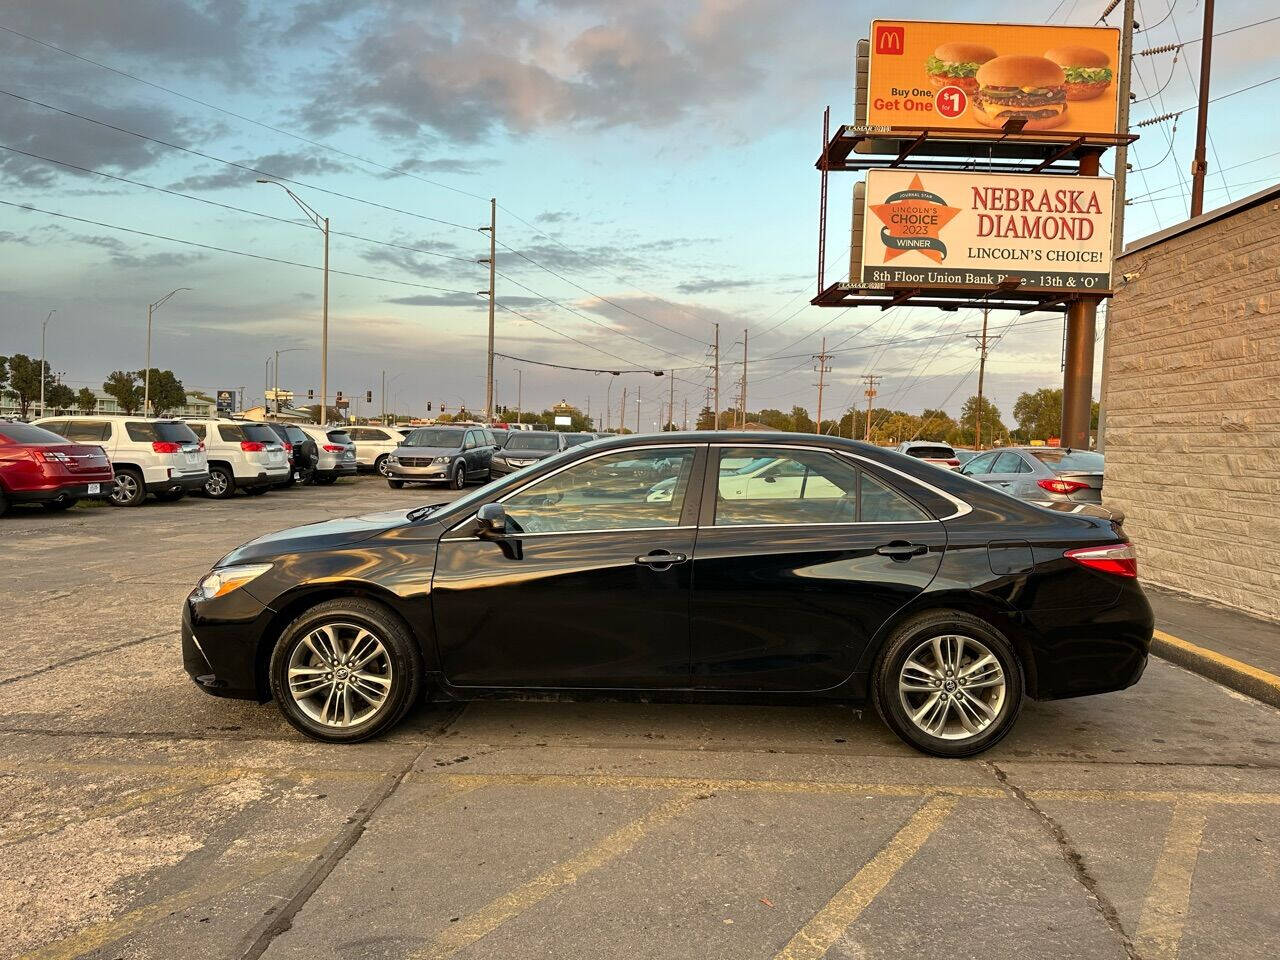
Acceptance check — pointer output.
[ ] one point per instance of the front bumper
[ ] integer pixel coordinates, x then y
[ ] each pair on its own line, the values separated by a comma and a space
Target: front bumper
434, 471
220, 641
73, 491
502, 468
186, 482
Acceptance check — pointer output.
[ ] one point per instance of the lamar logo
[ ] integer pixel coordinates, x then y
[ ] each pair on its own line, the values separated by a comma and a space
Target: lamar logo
890, 41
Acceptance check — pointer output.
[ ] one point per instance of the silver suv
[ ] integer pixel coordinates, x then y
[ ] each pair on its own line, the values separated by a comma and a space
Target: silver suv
159, 456
335, 453
243, 455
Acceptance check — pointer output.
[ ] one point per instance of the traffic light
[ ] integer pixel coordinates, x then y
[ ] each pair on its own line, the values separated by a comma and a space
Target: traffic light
368, 396
428, 406
338, 398
311, 394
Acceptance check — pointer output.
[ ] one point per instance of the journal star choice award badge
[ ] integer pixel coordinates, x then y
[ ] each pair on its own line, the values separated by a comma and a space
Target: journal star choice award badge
913, 220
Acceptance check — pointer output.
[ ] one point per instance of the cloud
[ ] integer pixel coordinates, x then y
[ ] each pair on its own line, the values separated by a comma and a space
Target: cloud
283, 165
554, 216
121, 254
467, 166
463, 300
714, 286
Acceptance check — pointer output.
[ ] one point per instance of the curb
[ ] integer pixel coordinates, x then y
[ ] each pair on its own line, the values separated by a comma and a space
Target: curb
1239, 676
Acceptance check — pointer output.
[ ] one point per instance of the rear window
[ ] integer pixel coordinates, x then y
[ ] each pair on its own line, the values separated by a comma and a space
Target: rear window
1056, 459
25, 433
296, 435
339, 436
260, 432
533, 441
149, 431
937, 452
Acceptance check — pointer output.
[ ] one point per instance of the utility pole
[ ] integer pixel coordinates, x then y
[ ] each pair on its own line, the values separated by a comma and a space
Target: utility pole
745, 334
685, 422
637, 409
608, 403
43, 364
983, 341
493, 266
671, 403
520, 396
823, 370
622, 412
716, 368
1199, 164
870, 379
1117, 225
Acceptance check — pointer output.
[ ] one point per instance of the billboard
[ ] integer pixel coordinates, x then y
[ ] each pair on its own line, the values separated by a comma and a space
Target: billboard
226, 400
966, 76
939, 229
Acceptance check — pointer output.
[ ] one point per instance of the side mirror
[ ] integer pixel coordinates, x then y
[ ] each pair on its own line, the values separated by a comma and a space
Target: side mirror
492, 518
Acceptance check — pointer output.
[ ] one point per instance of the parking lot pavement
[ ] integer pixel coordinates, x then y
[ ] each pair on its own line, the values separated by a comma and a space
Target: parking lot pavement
143, 819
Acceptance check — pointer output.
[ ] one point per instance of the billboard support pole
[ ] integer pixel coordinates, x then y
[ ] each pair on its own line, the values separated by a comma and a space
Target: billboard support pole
1199, 164
822, 202
1077, 378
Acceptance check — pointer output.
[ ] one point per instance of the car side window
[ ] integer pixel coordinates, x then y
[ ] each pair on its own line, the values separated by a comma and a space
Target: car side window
55, 426
198, 429
880, 503
784, 486
489, 439
469, 441
86, 431
1008, 462
618, 491
230, 432
978, 465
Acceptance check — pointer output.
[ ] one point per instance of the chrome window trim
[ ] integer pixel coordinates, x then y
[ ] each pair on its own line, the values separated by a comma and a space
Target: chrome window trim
567, 533
601, 453
962, 508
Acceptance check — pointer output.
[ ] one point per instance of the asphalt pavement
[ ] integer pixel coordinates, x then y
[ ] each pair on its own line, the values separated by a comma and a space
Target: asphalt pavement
140, 818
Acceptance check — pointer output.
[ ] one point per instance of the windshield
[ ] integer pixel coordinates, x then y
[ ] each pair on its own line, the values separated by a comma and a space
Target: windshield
533, 441
1068, 459
573, 439
434, 438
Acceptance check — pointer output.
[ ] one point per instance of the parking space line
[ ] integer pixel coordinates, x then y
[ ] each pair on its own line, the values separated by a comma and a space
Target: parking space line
1164, 912
94, 936
510, 905
1183, 797
190, 771
829, 924
722, 785
114, 807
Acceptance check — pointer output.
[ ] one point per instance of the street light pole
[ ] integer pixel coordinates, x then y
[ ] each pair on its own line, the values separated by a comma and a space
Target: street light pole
321, 224
277, 372
43, 327
519, 395
266, 384
146, 373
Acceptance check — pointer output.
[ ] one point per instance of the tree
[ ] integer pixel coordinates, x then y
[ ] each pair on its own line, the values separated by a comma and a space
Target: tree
935, 425
24, 381
59, 397
4, 372
167, 394
992, 426
86, 400
1039, 414
124, 388
706, 419
800, 421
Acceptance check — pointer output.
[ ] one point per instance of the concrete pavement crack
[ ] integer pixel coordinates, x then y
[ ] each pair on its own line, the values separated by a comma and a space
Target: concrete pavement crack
1073, 860
257, 941
85, 656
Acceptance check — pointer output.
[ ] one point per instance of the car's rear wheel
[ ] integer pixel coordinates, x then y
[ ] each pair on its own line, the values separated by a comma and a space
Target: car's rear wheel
129, 489
458, 478
345, 671
395, 484
221, 483
948, 683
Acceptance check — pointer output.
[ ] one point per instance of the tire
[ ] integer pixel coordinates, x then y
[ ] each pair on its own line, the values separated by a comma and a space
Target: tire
59, 505
256, 491
221, 483
171, 496
395, 484
129, 489
458, 478
380, 465
969, 723
397, 669
4, 504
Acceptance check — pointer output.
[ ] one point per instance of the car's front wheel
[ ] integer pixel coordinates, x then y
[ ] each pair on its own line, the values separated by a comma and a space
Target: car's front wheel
458, 478
948, 683
345, 671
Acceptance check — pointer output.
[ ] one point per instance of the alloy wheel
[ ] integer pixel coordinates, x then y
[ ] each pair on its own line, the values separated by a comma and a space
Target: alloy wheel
216, 485
952, 687
383, 468
340, 675
125, 489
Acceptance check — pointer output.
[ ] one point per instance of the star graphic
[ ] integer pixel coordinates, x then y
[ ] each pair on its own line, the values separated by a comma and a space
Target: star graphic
914, 217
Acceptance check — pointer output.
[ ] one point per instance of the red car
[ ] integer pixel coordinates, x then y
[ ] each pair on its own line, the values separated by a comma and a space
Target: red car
37, 466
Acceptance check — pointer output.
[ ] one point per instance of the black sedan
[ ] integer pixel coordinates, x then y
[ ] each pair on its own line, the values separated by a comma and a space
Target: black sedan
835, 571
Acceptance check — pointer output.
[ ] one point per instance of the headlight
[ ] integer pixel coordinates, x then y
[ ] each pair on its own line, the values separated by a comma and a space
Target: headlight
443, 460
392, 458
222, 581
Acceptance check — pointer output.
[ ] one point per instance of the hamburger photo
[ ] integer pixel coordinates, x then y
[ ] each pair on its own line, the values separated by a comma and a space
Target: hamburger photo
956, 65
1088, 71
1020, 86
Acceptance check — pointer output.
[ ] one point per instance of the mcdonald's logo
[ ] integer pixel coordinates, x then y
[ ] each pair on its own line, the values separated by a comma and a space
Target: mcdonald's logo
890, 41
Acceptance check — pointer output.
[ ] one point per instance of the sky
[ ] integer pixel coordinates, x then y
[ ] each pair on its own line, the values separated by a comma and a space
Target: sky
653, 163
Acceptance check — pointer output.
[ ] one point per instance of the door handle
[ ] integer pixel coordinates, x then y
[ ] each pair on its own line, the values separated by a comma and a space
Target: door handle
901, 551
661, 560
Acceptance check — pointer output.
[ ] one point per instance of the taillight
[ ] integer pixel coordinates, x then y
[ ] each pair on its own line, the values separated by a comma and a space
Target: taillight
252, 446
333, 448
1118, 558
201, 447
1061, 486
953, 462
288, 448
166, 446
50, 456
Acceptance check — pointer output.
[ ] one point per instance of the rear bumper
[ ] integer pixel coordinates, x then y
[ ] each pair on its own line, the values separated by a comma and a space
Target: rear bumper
73, 491
186, 482
341, 470
263, 478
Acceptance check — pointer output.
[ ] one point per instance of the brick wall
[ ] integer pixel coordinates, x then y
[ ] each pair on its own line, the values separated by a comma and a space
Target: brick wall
1193, 408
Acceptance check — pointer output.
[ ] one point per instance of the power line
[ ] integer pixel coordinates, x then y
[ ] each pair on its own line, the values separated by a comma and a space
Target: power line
562, 366
560, 333
231, 163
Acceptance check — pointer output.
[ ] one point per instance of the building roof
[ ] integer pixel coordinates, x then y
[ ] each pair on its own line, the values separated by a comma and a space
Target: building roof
1186, 226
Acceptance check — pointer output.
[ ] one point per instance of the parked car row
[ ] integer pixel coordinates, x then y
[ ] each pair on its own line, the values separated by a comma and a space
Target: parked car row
455, 455
57, 461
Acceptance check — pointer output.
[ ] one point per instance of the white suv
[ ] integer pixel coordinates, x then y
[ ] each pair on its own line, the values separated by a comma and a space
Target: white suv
150, 455
242, 454
373, 444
